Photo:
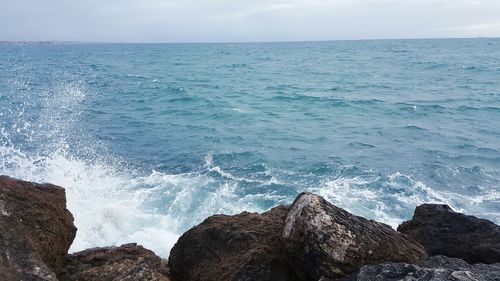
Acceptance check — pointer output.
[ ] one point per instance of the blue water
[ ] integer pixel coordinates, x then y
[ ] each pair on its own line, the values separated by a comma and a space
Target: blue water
150, 139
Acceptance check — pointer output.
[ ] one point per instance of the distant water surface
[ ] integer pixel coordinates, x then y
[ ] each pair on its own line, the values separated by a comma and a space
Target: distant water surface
150, 139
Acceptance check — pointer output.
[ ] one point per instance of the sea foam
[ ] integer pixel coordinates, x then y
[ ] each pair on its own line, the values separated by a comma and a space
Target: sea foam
112, 204
144, 157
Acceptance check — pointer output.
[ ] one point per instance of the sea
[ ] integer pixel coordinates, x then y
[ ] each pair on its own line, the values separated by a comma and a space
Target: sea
151, 139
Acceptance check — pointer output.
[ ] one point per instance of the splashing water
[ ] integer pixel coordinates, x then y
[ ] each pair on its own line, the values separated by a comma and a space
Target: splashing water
144, 157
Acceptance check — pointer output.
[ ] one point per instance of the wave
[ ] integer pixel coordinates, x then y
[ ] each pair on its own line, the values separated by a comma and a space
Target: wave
361, 145
111, 202
113, 206
392, 199
473, 108
44, 141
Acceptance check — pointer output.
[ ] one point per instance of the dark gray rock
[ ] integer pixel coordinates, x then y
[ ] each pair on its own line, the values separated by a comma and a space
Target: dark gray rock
128, 262
444, 232
324, 241
246, 246
36, 230
437, 268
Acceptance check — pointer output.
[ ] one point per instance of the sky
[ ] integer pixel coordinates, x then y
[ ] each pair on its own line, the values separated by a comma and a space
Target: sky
243, 21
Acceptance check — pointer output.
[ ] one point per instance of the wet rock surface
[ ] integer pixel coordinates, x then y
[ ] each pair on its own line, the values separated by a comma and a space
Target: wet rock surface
445, 232
309, 240
437, 268
324, 241
246, 246
127, 262
36, 230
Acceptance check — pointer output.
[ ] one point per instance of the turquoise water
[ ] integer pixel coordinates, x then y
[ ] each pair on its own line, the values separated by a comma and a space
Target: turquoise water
150, 139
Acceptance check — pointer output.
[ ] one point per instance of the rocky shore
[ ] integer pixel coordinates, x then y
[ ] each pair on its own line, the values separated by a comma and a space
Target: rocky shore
309, 240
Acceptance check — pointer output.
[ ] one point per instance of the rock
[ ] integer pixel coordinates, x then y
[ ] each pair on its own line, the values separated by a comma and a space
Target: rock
437, 268
36, 230
246, 246
444, 232
127, 262
324, 241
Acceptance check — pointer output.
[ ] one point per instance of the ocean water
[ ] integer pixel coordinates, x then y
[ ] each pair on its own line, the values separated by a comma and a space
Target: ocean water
150, 139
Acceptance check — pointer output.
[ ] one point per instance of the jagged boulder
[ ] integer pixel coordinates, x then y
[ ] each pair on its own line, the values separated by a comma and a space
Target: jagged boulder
437, 268
324, 241
36, 230
444, 232
128, 262
246, 246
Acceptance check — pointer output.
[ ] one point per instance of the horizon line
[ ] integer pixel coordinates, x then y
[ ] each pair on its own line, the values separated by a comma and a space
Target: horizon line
239, 42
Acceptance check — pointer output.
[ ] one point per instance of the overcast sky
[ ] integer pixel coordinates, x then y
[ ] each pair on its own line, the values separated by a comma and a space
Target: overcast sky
249, 20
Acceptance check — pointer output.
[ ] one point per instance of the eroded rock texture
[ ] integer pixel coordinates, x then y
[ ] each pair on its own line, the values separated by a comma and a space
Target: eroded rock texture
437, 268
246, 246
444, 232
128, 262
324, 241
36, 230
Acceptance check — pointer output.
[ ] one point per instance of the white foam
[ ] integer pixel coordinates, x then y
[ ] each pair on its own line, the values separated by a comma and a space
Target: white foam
111, 204
210, 166
112, 208
391, 199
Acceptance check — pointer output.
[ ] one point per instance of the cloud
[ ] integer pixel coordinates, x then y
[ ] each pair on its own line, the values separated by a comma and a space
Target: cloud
482, 29
238, 20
